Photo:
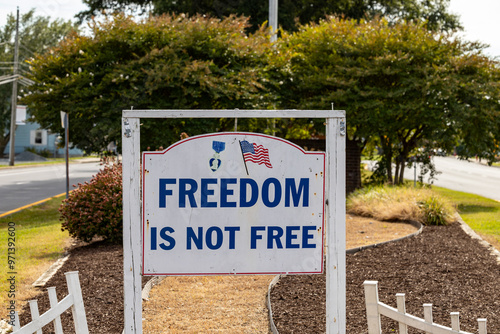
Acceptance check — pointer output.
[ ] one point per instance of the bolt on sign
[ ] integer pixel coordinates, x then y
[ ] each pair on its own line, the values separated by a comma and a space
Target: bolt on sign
233, 203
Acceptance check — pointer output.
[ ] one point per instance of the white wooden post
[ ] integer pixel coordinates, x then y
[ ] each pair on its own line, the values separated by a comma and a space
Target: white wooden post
35, 314
401, 304
455, 321
131, 226
371, 301
53, 303
273, 19
77, 309
335, 229
17, 324
482, 326
428, 314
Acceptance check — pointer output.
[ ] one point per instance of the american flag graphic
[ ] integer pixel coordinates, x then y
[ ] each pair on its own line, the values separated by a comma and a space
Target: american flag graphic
255, 153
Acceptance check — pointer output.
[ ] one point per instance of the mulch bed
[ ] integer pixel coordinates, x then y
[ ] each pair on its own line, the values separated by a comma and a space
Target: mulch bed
100, 268
442, 266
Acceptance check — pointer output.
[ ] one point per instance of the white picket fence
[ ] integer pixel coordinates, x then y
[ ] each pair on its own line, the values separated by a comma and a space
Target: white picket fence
374, 308
73, 300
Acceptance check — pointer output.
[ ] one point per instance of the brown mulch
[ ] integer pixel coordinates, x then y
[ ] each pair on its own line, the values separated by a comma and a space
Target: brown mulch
442, 266
100, 268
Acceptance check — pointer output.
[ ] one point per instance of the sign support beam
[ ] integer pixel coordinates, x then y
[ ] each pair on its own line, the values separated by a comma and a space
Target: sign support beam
335, 231
335, 224
132, 226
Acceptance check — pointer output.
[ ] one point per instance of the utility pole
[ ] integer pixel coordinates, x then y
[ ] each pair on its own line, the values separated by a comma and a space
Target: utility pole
12, 149
273, 19
273, 24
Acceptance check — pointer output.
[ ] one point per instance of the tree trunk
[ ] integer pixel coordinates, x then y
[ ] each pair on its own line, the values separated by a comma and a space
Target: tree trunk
388, 166
3, 143
401, 171
396, 170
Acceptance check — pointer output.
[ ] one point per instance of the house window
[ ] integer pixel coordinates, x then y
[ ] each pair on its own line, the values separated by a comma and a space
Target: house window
38, 137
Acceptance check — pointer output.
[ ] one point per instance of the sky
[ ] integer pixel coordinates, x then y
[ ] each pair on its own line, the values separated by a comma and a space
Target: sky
479, 17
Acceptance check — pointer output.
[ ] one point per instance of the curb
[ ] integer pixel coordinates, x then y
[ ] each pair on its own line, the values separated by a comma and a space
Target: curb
149, 285
493, 251
31, 204
44, 278
28, 164
276, 279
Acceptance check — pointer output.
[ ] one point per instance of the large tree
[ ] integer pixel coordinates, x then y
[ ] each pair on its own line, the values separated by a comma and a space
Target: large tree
403, 86
36, 35
167, 62
292, 11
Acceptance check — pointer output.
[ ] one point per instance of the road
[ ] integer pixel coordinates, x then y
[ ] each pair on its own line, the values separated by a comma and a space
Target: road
26, 185
461, 175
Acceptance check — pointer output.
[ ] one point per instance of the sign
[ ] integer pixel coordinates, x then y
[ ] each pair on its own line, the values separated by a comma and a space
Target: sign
233, 203
63, 119
20, 115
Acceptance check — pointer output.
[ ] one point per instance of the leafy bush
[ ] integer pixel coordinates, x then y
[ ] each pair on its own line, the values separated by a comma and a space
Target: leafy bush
95, 208
433, 210
391, 203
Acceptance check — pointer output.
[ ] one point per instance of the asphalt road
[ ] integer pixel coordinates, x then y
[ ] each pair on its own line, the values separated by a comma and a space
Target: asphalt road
466, 176
25, 185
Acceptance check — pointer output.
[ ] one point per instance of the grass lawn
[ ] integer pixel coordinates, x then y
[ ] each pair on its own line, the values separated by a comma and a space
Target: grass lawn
38, 243
480, 213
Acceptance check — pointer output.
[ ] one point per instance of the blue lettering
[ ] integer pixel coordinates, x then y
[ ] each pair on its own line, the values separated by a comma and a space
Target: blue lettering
277, 192
164, 192
166, 237
254, 193
232, 232
225, 192
274, 233
183, 192
294, 191
306, 236
214, 237
291, 191
154, 242
209, 237
290, 236
205, 192
197, 239
254, 236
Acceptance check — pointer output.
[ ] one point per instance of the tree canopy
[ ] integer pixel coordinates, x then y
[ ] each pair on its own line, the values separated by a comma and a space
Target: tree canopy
36, 35
167, 62
292, 12
403, 86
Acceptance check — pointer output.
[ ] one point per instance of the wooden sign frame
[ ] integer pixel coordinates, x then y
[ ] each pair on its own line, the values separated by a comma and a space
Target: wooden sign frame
335, 205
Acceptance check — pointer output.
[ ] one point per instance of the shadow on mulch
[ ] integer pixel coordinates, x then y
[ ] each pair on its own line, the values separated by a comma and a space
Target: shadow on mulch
442, 266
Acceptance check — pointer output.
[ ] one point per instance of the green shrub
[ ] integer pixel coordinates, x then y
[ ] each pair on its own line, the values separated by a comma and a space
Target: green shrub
434, 211
94, 209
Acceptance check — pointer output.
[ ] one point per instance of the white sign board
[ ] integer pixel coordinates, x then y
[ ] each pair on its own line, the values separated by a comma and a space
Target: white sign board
20, 115
233, 203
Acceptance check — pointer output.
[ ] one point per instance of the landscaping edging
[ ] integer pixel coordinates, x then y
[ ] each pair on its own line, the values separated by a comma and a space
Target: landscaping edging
474, 235
44, 278
276, 279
